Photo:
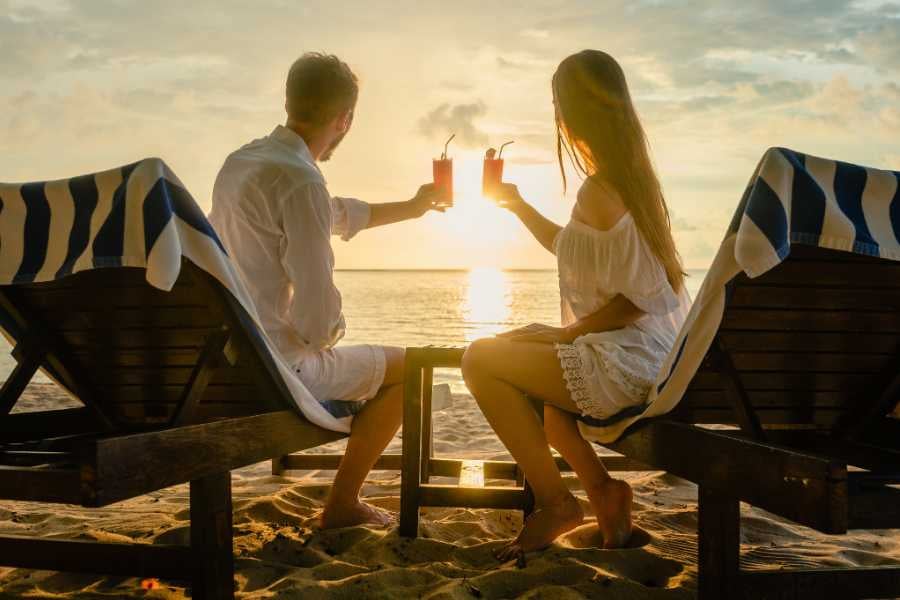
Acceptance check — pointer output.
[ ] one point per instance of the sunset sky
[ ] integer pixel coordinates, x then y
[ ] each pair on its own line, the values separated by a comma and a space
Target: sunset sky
89, 85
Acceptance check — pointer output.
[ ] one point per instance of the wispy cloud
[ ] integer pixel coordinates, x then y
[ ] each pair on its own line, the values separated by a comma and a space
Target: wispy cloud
456, 118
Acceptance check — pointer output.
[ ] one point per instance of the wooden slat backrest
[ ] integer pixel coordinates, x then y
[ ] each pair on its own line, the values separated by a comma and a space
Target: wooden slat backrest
809, 340
134, 348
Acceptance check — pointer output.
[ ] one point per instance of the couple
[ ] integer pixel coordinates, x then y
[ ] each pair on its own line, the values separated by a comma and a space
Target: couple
621, 285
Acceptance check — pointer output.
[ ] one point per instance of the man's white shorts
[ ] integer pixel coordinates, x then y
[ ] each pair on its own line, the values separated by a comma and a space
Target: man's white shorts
344, 377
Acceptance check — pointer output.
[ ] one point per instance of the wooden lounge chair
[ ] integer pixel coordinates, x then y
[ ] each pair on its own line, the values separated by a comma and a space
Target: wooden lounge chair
177, 387
806, 363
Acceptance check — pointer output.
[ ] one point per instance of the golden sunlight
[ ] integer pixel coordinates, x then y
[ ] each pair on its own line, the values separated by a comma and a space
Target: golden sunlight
473, 216
487, 303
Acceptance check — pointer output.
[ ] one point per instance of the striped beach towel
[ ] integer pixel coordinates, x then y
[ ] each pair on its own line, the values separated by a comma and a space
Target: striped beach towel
139, 215
792, 198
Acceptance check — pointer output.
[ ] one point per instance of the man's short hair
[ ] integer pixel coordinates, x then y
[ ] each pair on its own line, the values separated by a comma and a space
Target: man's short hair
319, 88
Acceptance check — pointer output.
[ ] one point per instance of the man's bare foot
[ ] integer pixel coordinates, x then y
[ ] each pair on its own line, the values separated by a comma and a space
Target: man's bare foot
358, 513
542, 527
611, 502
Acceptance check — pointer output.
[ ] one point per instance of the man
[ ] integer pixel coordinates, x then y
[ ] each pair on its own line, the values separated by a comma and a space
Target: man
275, 216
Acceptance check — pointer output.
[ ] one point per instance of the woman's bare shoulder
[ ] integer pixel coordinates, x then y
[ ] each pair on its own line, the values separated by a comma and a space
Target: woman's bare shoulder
598, 205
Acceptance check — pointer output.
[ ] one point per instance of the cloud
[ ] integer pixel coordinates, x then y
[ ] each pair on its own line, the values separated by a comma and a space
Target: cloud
458, 119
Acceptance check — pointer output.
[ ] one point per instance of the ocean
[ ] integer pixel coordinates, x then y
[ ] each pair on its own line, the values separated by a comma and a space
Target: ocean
416, 308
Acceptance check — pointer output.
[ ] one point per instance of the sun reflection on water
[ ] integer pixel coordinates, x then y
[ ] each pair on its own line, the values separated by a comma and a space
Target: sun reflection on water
487, 303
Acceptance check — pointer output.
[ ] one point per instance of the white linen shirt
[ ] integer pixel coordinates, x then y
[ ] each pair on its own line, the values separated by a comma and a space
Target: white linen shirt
275, 217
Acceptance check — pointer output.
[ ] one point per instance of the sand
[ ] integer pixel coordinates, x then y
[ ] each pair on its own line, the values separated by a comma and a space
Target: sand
280, 553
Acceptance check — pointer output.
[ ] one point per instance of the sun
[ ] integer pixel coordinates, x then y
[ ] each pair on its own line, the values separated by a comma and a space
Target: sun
473, 216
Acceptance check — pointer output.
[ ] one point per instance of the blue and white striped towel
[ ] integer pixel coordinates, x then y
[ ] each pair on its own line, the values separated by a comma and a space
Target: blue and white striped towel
792, 198
139, 215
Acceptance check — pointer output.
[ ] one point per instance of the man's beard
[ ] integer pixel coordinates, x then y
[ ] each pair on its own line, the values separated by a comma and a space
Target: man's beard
331, 148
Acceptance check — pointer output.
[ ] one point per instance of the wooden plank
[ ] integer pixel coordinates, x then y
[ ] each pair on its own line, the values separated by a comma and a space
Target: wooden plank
410, 474
42, 485
200, 377
471, 474
764, 341
211, 537
56, 354
822, 584
778, 380
805, 488
133, 319
820, 417
858, 454
427, 435
819, 274
736, 393
855, 299
28, 425
148, 560
21, 375
129, 465
34, 458
753, 319
771, 399
826, 362
184, 338
719, 542
484, 497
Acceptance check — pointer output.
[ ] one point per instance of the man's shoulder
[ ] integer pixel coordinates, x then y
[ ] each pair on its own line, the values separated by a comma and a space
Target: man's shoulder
267, 161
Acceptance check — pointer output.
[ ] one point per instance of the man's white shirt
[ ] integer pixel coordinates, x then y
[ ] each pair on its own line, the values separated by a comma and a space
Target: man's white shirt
275, 217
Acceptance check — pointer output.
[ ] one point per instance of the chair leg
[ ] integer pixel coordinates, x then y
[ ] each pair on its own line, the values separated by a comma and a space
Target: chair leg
278, 465
211, 537
411, 473
719, 533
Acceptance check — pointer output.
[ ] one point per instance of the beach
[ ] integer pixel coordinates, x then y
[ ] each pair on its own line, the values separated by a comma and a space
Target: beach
281, 553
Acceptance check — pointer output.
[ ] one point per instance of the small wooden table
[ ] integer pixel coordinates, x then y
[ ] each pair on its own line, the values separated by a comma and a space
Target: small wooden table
418, 463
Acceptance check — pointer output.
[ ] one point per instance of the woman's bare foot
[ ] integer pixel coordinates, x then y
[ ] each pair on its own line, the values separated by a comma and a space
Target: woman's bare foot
542, 527
611, 502
358, 513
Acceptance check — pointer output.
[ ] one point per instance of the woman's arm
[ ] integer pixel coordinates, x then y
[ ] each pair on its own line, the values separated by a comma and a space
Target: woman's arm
618, 313
543, 229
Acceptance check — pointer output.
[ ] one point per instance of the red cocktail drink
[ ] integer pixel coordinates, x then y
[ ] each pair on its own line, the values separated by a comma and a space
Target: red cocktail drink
492, 176
443, 179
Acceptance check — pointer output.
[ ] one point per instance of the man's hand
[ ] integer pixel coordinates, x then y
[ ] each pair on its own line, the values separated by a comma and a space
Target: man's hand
427, 198
539, 333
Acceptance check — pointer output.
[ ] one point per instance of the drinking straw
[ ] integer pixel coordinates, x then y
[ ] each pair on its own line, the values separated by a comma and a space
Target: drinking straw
501, 148
447, 143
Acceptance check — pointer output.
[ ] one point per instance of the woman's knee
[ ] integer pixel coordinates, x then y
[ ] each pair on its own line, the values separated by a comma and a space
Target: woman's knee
477, 356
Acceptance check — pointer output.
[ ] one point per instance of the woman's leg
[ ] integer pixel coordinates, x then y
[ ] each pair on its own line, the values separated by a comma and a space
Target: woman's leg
610, 498
500, 373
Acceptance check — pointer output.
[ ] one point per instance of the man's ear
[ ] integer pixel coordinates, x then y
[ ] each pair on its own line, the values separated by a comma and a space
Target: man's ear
345, 119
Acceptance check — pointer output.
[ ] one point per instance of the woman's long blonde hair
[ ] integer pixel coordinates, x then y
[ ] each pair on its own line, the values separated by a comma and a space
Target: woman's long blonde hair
597, 125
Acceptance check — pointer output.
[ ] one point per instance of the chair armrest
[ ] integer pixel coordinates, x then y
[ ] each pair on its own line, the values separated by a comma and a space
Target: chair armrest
433, 356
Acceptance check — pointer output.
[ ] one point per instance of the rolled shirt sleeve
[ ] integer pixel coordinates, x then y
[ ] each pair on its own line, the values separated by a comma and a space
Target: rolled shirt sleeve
308, 260
349, 216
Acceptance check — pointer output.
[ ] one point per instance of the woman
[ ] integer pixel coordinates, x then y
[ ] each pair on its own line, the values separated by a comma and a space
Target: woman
623, 300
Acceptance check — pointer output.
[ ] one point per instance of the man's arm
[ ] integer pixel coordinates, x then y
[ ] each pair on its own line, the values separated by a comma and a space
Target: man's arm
393, 212
308, 260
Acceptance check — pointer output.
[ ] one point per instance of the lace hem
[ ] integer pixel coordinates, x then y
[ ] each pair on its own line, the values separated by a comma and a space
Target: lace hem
576, 383
632, 385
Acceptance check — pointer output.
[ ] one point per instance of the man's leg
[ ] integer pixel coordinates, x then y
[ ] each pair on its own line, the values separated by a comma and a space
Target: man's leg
372, 430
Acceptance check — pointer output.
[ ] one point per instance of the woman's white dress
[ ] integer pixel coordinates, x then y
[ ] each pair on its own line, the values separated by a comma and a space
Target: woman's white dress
609, 371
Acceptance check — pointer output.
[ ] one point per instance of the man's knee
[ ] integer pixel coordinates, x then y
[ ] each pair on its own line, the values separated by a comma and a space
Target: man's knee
395, 361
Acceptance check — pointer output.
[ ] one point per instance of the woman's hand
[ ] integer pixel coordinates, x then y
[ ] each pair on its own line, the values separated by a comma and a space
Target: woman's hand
539, 333
507, 196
